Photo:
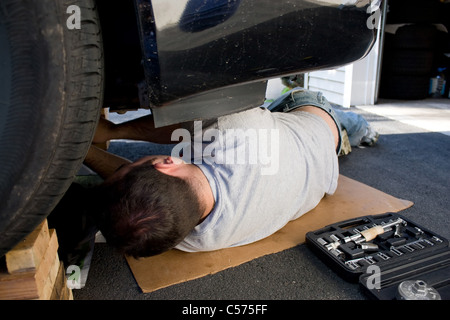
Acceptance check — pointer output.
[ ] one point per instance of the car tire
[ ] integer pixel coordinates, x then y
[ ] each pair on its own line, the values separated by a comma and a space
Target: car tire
405, 87
51, 87
410, 62
415, 36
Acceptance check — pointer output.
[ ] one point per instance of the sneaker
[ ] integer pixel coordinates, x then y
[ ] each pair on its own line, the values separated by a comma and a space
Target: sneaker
370, 138
346, 148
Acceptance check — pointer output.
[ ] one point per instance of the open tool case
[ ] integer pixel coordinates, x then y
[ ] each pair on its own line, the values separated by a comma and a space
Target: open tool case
405, 253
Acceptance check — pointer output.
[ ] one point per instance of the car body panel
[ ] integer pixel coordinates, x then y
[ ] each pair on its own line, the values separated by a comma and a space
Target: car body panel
193, 47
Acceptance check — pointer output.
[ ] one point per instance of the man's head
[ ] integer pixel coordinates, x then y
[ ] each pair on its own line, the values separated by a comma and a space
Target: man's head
149, 206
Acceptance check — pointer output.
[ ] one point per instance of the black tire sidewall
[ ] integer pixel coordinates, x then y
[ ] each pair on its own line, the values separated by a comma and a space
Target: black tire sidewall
45, 147
405, 87
409, 62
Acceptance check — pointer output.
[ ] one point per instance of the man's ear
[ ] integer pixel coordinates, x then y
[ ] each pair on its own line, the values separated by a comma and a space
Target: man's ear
167, 165
164, 166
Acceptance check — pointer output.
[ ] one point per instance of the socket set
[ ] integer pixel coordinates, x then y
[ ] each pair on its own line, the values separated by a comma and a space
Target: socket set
406, 256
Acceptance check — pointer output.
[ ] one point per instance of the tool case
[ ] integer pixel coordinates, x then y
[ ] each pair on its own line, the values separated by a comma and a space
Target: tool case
389, 255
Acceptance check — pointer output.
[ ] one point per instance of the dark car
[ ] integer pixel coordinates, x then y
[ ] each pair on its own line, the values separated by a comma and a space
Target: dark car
62, 61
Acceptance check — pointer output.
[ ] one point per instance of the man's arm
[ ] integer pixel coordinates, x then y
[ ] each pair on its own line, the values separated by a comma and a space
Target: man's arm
103, 162
138, 129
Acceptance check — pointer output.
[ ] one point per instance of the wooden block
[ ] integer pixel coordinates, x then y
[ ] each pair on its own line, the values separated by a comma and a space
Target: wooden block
51, 280
69, 294
30, 284
27, 255
60, 290
60, 283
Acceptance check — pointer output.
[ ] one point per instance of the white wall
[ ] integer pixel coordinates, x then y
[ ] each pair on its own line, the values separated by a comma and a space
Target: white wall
331, 83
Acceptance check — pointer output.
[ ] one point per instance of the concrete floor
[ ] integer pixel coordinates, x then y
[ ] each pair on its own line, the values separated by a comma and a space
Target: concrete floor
432, 114
411, 161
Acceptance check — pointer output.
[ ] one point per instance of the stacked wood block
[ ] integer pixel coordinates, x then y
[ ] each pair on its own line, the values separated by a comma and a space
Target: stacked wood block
33, 269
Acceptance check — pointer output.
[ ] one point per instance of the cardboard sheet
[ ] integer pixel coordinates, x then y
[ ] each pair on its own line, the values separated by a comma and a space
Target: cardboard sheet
352, 199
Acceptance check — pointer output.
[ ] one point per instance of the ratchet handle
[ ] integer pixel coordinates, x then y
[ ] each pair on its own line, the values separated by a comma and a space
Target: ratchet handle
372, 233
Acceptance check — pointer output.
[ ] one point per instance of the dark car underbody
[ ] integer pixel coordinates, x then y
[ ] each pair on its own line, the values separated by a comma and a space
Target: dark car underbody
201, 59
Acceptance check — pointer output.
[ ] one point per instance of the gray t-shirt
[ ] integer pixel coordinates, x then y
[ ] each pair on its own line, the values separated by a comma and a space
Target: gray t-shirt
290, 163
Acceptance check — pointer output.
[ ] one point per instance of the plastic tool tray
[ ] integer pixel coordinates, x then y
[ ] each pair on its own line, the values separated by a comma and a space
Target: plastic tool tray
400, 250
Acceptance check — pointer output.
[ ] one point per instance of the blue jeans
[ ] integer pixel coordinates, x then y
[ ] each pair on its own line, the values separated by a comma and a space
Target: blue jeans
355, 125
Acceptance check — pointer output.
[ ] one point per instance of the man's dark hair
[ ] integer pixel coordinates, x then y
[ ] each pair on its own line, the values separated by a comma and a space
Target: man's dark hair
147, 212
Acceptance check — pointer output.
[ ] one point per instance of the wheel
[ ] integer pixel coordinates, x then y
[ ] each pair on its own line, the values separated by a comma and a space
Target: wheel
51, 87
415, 36
404, 87
409, 62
